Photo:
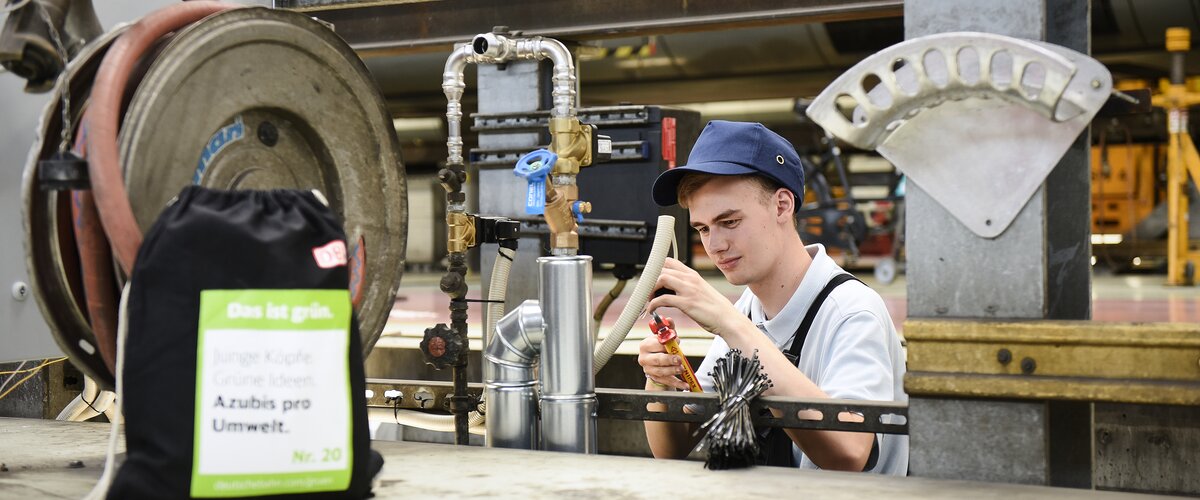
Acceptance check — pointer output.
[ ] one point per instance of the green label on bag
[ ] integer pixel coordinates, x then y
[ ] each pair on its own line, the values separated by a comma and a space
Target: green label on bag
273, 395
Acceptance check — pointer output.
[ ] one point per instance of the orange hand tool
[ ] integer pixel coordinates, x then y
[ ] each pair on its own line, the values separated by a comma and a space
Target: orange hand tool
664, 328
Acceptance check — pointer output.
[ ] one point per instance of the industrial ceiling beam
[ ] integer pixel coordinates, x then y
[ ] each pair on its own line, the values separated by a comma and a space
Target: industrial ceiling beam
385, 27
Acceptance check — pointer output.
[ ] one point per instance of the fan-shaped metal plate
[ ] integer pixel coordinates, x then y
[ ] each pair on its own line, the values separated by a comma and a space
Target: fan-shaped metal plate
258, 99
977, 120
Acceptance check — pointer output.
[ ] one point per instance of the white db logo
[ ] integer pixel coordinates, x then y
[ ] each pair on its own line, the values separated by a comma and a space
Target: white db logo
331, 254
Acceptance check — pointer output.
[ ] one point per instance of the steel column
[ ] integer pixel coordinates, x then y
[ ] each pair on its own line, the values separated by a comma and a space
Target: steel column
1038, 268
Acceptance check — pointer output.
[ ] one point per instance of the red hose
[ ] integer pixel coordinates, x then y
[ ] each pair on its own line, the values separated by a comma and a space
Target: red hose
99, 284
95, 262
104, 168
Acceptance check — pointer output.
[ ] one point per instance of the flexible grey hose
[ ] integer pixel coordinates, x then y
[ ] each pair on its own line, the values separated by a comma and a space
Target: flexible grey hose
497, 291
664, 240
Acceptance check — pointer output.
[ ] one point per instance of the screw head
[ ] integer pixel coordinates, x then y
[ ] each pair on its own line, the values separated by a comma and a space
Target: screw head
20, 291
1004, 356
268, 134
1028, 365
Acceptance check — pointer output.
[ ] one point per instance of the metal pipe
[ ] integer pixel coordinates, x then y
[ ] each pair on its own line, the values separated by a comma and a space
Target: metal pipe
568, 387
509, 372
564, 76
1178, 68
1178, 42
493, 49
453, 86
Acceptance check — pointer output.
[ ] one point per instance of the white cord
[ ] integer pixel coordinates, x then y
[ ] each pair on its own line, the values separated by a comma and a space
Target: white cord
13, 375
90, 403
101, 489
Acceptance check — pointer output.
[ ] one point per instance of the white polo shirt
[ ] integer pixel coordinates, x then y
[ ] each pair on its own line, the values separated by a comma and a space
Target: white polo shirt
852, 350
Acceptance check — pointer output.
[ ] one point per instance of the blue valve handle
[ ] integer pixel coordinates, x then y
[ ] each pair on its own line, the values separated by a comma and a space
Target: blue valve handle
575, 210
534, 167
535, 164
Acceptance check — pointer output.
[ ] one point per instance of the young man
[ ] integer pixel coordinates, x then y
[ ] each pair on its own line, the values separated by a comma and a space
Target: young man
742, 186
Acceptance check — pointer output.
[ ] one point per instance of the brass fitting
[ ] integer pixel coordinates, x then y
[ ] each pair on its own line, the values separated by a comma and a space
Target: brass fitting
460, 234
560, 219
572, 142
1179, 39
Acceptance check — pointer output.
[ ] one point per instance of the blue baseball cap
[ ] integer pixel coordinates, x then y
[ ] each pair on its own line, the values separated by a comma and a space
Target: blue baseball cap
736, 148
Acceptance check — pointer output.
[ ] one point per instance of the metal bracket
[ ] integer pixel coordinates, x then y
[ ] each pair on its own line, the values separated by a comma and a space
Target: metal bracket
1141, 363
423, 394
601, 116
825, 414
506, 157
608, 229
964, 113
631, 404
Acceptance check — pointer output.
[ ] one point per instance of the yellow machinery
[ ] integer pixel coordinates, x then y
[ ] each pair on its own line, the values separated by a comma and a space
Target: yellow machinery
1123, 187
1182, 160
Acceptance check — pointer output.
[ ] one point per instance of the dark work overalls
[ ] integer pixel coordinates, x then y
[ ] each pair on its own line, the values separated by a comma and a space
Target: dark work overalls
774, 443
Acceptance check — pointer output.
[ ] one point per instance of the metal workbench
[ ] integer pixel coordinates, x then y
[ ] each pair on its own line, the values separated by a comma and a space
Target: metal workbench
51, 459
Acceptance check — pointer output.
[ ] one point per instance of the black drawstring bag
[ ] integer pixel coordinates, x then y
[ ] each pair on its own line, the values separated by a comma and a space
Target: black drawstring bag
282, 347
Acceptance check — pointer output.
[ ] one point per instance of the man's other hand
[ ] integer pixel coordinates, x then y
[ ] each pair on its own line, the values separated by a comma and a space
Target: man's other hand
695, 297
661, 368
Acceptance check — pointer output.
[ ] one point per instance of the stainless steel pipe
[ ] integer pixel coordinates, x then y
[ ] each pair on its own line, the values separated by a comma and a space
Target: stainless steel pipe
568, 386
490, 48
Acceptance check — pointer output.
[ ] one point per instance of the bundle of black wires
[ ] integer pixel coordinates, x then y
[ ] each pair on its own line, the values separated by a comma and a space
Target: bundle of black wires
731, 439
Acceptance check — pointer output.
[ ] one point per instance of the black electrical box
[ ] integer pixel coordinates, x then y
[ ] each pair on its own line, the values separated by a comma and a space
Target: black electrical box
646, 141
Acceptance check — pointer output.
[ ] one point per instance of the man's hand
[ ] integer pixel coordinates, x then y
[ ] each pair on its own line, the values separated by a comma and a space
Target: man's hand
696, 298
661, 368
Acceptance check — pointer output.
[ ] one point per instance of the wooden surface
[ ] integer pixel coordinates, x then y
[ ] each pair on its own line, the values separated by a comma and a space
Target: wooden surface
38, 453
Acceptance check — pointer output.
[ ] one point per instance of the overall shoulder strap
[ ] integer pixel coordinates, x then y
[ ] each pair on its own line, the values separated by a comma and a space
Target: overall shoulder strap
802, 331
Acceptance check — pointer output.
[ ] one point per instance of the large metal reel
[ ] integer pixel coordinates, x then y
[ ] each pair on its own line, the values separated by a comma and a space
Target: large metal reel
260, 99
51, 258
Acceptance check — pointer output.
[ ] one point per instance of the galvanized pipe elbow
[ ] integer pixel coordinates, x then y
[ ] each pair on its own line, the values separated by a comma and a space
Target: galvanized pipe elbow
515, 346
510, 379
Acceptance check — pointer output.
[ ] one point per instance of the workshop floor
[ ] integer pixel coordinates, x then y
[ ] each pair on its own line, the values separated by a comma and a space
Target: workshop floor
1123, 297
